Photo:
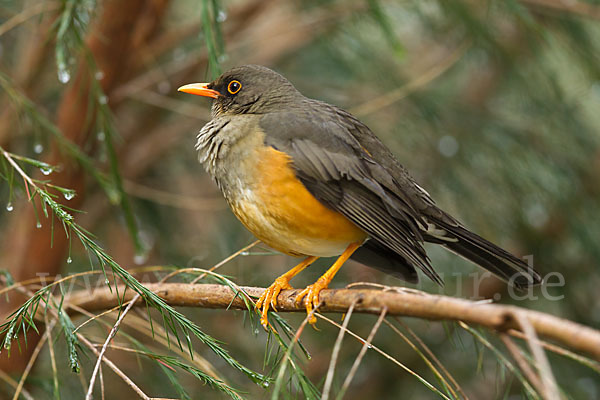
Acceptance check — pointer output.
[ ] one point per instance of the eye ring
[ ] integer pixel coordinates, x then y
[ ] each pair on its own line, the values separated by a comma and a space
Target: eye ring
234, 87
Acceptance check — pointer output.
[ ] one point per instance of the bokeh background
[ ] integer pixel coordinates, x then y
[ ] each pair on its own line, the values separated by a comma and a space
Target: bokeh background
493, 106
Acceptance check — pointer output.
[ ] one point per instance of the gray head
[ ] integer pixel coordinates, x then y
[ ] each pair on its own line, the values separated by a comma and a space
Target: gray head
249, 89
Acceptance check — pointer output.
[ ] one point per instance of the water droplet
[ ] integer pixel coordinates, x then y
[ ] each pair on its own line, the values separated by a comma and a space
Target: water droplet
221, 16
69, 194
63, 75
256, 331
69, 260
38, 225
265, 384
99, 75
106, 281
9, 334
245, 253
140, 258
222, 58
101, 136
103, 99
9, 206
46, 170
38, 148
369, 346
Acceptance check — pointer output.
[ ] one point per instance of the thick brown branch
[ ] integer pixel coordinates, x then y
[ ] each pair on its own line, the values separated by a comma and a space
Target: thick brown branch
402, 303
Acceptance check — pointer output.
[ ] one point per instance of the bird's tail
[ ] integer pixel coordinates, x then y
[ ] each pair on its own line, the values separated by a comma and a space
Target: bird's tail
487, 255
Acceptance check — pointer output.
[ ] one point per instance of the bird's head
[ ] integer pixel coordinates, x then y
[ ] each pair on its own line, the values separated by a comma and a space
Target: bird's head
249, 89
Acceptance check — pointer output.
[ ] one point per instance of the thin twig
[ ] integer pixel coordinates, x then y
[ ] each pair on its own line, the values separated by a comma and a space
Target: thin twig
166, 198
225, 261
427, 361
433, 357
48, 280
93, 317
156, 333
288, 353
53, 281
387, 356
111, 334
101, 383
594, 365
14, 384
550, 389
211, 269
31, 361
514, 350
9, 157
81, 378
115, 369
335, 353
27, 13
170, 104
423, 79
366, 345
529, 390
52, 355
578, 8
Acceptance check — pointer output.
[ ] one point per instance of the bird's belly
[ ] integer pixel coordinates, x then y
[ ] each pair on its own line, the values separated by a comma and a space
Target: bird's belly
281, 212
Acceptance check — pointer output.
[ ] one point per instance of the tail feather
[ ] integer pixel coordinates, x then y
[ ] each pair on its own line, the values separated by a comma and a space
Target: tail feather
487, 255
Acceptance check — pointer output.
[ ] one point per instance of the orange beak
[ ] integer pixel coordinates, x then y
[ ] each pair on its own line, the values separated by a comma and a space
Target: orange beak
199, 89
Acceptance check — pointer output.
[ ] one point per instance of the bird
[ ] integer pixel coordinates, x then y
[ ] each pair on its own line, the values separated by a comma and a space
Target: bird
310, 180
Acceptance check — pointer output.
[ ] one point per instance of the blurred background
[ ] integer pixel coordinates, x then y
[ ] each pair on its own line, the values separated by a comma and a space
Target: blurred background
493, 106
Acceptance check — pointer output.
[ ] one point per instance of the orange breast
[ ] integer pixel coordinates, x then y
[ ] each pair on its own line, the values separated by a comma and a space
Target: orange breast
281, 212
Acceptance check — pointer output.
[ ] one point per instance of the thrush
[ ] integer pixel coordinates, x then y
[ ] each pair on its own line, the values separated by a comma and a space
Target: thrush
310, 180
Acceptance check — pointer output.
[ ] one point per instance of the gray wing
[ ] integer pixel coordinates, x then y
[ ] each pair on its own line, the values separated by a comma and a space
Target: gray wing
342, 173
349, 168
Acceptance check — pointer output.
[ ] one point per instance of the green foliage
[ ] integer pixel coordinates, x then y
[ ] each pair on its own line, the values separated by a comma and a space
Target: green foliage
505, 137
69, 36
70, 31
212, 15
72, 341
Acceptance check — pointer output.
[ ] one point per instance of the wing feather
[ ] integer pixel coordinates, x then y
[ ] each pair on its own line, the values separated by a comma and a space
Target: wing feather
344, 165
338, 171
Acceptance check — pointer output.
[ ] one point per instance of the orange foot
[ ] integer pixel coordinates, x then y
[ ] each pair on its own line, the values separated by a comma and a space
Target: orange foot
269, 298
312, 296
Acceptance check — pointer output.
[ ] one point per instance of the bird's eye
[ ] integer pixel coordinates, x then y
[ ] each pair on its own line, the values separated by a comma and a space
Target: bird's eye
234, 87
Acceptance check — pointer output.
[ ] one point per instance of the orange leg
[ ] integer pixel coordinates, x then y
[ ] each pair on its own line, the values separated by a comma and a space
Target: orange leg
269, 296
312, 291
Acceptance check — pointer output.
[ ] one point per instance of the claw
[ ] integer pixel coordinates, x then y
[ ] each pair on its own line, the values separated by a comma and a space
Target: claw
311, 293
269, 296
269, 299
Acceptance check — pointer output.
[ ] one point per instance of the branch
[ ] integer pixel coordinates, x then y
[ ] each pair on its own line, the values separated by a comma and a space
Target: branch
400, 303
577, 8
